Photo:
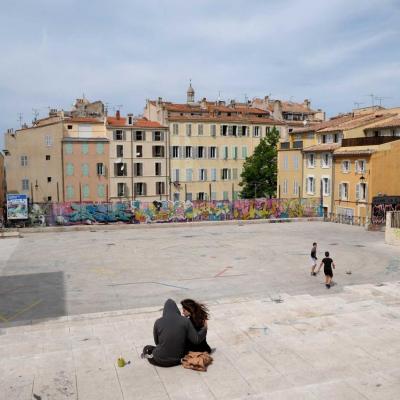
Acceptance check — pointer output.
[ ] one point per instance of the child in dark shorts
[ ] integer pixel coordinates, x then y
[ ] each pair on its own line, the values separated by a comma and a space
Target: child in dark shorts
328, 264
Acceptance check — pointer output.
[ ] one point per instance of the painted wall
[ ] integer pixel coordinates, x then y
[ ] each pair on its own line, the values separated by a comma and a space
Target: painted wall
169, 211
392, 235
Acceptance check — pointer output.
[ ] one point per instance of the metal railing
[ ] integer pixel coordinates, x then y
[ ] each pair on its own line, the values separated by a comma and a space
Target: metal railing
395, 219
346, 219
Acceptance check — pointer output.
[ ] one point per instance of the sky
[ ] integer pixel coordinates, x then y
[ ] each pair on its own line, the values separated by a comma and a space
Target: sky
333, 52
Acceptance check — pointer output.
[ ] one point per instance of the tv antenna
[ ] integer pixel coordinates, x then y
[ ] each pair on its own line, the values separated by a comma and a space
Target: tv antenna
35, 114
357, 104
380, 99
20, 118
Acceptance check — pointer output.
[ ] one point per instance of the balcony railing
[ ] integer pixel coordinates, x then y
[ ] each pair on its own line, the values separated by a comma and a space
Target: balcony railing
368, 141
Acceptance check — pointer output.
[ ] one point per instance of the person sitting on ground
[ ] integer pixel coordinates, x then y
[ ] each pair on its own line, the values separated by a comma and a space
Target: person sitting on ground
197, 314
328, 264
171, 332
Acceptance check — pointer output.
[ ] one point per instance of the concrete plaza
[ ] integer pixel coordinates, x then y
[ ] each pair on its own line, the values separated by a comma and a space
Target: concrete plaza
72, 302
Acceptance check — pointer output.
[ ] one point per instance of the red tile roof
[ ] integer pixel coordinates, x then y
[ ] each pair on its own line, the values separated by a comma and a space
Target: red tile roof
138, 123
391, 123
114, 121
145, 123
87, 120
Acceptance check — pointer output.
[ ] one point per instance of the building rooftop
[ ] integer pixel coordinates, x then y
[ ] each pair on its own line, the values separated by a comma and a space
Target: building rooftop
322, 147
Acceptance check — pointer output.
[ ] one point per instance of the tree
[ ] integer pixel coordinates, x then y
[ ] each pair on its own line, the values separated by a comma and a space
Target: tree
259, 175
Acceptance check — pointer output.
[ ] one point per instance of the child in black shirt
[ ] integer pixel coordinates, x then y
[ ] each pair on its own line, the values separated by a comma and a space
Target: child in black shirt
328, 263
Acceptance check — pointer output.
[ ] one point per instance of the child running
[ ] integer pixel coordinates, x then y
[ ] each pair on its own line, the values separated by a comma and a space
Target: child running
313, 259
328, 264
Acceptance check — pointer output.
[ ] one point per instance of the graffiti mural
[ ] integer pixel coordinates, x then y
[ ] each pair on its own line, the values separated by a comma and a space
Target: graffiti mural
381, 206
165, 211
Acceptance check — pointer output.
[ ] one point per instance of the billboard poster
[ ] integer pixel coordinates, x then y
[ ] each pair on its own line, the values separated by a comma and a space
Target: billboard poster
17, 206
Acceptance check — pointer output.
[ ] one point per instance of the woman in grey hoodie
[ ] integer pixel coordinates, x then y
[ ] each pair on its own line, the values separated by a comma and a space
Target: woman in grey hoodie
171, 332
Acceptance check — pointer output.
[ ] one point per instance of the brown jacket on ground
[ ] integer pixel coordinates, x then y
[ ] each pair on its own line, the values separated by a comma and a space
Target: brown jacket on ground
197, 361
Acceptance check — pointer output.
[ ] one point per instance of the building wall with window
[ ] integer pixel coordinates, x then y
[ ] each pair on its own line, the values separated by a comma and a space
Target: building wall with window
139, 160
207, 156
290, 173
32, 156
86, 169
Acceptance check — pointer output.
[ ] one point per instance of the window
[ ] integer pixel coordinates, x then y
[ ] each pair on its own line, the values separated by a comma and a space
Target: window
189, 197
256, 131
137, 169
200, 129
139, 151
213, 130
175, 175
343, 191
188, 152
48, 140
49, 179
120, 150
85, 169
47, 157
244, 152
189, 175
85, 148
224, 130
49, 198
225, 152
176, 196
25, 184
234, 173
310, 135
175, 129
158, 151
85, 191
225, 195
68, 148
158, 136
213, 174
326, 160
201, 196
201, 152
101, 169
160, 187
346, 166
285, 186
360, 166
69, 126
120, 169
100, 191
225, 174
235, 152
130, 119
24, 161
140, 189
311, 160
119, 134
213, 152
202, 174
175, 151
157, 169
244, 131
70, 169
285, 161
121, 189
234, 130
100, 148
310, 185
361, 191
70, 192
296, 162
139, 136
188, 129
295, 188
326, 186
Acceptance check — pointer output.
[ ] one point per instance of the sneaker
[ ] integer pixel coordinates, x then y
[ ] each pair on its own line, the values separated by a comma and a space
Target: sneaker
328, 286
314, 274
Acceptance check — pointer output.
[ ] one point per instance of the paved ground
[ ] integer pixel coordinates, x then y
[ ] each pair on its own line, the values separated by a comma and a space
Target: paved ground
341, 345
50, 275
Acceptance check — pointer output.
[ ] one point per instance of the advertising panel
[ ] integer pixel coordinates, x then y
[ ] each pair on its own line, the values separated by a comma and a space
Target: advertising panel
17, 206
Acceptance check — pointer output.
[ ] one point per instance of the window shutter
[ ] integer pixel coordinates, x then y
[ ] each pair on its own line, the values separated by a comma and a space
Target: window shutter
357, 166
357, 191
366, 192
182, 152
205, 174
230, 130
162, 136
229, 173
194, 152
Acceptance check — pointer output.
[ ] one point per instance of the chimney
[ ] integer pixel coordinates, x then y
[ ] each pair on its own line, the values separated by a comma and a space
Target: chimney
307, 103
277, 113
233, 103
159, 100
118, 115
203, 103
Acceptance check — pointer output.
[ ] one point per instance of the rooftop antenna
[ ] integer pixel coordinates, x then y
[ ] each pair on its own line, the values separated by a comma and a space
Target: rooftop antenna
20, 118
35, 114
372, 99
219, 95
357, 104
380, 99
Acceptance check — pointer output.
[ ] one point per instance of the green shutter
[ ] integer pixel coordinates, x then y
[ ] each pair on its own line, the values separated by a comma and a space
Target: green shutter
85, 169
68, 148
85, 191
70, 169
70, 192
100, 191
100, 148
85, 148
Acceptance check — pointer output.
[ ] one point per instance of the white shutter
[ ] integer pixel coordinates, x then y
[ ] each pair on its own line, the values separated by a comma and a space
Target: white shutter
356, 166
358, 191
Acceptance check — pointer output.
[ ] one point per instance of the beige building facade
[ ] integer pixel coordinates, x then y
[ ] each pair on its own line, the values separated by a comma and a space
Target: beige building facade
208, 144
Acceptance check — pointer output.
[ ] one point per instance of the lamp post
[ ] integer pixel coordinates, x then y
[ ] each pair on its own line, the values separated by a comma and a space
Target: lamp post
362, 187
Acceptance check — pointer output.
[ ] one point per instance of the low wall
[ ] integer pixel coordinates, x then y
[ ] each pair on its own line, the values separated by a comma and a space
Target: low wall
170, 211
392, 233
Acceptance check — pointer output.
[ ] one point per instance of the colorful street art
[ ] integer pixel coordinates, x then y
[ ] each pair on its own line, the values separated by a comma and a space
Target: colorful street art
169, 211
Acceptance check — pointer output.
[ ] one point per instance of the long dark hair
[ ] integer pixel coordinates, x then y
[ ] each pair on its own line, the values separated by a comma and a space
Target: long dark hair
198, 312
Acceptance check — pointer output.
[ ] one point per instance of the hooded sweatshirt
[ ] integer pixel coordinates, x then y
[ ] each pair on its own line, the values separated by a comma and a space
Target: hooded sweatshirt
171, 332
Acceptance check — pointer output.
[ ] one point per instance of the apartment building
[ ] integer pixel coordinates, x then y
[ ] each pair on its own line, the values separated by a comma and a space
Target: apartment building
208, 144
139, 159
58, 158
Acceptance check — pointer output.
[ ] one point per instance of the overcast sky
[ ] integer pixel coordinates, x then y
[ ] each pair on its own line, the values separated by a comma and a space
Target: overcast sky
334, 52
